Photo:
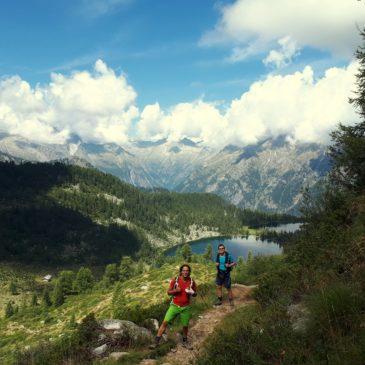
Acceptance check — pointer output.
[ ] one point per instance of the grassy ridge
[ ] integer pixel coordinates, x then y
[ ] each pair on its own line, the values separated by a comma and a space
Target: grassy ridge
35, 324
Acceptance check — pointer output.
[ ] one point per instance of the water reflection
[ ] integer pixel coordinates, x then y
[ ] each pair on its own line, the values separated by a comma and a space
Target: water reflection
241, 246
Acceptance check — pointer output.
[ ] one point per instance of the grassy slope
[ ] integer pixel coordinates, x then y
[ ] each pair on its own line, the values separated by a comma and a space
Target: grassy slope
27, 328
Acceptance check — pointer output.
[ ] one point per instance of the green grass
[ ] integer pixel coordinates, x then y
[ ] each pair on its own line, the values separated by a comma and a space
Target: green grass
33, 325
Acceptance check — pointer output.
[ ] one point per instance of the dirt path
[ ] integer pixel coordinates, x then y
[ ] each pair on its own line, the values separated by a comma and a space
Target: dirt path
205, 325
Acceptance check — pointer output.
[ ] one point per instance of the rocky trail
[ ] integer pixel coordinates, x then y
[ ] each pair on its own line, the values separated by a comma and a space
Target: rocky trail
203, 327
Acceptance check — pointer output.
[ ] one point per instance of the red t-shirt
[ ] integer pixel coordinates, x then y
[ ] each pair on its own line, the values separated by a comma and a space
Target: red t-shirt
182, 299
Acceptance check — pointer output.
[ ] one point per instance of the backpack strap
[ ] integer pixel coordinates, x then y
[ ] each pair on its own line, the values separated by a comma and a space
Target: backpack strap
176, 282
228, 261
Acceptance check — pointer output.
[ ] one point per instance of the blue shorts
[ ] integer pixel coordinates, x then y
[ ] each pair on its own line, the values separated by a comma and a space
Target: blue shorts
223, 278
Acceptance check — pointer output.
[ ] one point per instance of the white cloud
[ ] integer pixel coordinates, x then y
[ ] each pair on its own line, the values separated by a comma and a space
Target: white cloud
283, 56
252, 26
297, 105
197, 120
98, 106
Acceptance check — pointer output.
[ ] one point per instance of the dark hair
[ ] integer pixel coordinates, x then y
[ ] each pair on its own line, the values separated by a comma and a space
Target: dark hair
185, 265
221, 244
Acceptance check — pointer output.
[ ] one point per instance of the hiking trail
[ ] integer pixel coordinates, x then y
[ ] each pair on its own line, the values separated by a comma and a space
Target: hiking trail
204, 326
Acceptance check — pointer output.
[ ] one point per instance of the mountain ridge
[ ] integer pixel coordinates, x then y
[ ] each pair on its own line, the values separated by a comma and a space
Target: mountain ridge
252, 176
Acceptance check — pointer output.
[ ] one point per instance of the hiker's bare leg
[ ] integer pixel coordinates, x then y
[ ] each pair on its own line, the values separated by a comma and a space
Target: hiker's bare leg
219, 291
230, 293
162, 329
185, 331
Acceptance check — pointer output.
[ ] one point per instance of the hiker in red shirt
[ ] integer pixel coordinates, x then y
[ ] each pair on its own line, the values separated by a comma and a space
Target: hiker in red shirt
181, 288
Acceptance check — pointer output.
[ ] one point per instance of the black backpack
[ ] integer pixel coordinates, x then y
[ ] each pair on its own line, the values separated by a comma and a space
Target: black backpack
227, 261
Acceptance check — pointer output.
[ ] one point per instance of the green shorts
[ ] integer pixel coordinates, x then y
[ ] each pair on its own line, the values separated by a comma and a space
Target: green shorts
174, 310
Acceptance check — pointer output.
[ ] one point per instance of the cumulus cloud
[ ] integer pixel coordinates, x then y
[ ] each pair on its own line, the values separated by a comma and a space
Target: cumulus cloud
100, 106
97, 106
198, 120
283, 56
252, 26
297, 105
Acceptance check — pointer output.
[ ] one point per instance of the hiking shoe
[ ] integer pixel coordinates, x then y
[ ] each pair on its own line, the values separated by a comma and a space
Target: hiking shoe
187, 345
218, 302
155, 344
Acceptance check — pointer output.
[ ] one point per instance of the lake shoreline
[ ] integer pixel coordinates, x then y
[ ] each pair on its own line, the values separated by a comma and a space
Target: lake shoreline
239, 243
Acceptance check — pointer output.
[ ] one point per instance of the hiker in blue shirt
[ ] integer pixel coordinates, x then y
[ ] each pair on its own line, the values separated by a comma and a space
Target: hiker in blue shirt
224, 264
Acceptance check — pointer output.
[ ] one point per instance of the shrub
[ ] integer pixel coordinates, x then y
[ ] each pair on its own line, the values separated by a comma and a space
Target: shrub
66, 278
111, 274
12, 288
126, 267
250, 335
58, 295
46, 298
9, 309
84, 280
336, 309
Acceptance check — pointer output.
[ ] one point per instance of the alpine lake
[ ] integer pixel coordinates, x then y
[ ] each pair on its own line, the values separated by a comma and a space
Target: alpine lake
240, 245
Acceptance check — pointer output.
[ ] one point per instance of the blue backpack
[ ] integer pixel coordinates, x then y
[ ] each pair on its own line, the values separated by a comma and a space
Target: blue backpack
227, 261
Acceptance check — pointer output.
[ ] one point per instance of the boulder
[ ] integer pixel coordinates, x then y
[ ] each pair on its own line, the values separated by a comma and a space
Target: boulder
152, 324
127, 331
298, 315
102, 337
117, 355
98, 351
148, 362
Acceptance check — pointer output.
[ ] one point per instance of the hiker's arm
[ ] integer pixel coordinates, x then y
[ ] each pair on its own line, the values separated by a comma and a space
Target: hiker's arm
171, 290
233, 262
194, 288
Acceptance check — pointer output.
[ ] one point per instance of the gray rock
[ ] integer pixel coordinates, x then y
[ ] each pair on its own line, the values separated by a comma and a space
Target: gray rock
298, 315
117, 355
152, 324
102, 337
127, 330
148, 362
98, 351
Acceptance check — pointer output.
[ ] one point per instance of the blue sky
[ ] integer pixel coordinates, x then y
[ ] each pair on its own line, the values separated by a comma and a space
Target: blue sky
174, 51
156, 43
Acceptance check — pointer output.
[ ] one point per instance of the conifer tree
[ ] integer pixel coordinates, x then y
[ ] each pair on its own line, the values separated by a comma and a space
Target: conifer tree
46, 298
66, 278
12, 288
34, 301
208, 254
111, 274
186, 252
84, 280
249, 257
126, 267
58, 295
9, 309
348, 142
72, 323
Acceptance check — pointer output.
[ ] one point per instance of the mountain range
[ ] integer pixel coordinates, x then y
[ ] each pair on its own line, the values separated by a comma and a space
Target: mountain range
268, 175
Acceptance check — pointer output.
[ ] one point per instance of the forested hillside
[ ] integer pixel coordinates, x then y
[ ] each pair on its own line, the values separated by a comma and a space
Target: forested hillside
58, 213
